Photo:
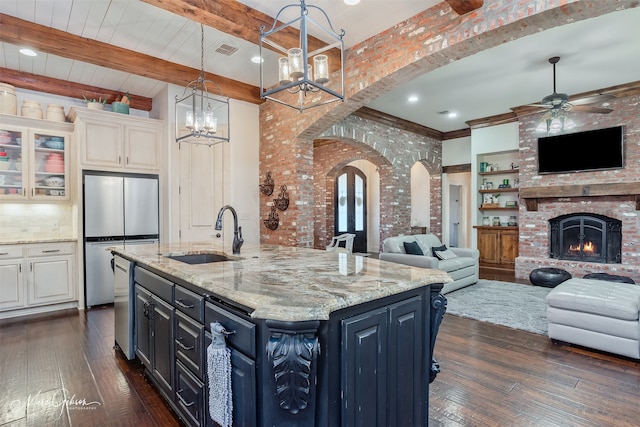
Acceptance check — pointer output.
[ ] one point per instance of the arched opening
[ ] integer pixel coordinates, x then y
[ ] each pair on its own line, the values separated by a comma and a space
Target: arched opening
420, 198
350, 206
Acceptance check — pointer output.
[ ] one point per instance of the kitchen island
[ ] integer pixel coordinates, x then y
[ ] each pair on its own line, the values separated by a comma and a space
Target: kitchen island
317, 338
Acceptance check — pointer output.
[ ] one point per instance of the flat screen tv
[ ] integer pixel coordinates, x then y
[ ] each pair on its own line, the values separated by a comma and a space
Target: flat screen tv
582, 151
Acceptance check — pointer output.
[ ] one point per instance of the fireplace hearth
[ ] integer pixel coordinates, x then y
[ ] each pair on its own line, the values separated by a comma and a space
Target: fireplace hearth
586, 237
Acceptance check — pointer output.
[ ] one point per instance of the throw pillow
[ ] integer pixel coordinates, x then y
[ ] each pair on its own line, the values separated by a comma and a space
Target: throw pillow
412, 248
446, 254
438, 248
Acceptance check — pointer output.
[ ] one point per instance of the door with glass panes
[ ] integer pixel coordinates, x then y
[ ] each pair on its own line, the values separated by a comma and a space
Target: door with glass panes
351, 206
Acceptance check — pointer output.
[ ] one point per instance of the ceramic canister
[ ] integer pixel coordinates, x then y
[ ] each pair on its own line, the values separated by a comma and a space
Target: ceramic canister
8, 99
31, 109
55, 113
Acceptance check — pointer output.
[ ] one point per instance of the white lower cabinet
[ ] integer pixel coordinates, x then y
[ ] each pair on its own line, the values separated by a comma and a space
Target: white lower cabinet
12, 294
36, 275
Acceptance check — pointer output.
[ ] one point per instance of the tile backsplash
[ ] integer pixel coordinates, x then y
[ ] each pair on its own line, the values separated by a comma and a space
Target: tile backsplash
37, 221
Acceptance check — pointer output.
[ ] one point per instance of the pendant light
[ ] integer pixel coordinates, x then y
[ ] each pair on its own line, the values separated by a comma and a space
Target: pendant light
202, 117
305, 78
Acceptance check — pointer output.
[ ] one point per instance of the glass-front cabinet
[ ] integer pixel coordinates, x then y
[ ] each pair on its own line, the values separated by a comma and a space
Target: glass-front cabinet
34, 160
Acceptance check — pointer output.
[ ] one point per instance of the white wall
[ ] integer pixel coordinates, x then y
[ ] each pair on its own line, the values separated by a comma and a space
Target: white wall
456, 151
241, 165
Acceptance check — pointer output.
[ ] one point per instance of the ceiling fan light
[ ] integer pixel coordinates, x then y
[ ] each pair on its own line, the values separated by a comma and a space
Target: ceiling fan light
542, 127
569, 124
555, 126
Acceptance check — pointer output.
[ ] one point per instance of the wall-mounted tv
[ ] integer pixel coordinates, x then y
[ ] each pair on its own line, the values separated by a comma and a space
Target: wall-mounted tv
582, 151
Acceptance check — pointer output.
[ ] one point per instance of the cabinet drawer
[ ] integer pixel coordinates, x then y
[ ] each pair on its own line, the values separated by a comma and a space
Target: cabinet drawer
49, 250
189, 395
157, 285
10, 252
243, 335
189, 303
189, 339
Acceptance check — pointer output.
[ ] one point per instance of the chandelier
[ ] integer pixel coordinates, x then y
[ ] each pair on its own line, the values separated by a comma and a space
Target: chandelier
303, 85
202, 117
555, 121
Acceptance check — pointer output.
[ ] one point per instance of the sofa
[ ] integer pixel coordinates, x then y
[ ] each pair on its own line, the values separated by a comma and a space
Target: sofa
598, 314
463, 267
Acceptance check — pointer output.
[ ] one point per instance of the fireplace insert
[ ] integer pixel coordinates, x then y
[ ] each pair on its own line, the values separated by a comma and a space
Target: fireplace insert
586, 237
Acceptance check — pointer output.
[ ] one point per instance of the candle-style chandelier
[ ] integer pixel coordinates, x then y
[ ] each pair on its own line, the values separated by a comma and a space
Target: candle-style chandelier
202, 117
303, 85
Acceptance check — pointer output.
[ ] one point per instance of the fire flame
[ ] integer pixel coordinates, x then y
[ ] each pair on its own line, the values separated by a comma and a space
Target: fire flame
588, 248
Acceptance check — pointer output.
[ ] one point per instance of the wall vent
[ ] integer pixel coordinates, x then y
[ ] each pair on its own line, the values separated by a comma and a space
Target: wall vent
226, 50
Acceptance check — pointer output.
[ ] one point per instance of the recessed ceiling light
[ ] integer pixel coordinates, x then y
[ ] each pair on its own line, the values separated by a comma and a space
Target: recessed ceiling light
413, 98
257, 60
351, 2
28, 52
452, 114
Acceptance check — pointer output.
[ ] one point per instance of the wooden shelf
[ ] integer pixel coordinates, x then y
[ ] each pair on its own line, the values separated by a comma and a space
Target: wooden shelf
500, 172
532, 194
500, 190
496, 227
500, 208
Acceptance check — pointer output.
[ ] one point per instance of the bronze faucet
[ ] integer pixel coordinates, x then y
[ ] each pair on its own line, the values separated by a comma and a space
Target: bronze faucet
237, 231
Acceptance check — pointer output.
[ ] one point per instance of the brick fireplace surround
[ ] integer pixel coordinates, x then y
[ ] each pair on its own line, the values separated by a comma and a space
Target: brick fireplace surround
534, 225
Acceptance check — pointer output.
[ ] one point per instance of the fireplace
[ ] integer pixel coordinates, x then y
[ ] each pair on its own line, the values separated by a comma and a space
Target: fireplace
586, 237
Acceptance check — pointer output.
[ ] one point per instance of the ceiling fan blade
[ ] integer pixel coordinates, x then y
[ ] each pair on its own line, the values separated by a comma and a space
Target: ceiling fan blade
545, 106
590, 109
591, 99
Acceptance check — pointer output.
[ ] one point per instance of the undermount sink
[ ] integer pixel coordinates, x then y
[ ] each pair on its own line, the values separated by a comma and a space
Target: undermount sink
199, 258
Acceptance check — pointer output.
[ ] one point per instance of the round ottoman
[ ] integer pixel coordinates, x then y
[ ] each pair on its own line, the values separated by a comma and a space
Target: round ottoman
548, 277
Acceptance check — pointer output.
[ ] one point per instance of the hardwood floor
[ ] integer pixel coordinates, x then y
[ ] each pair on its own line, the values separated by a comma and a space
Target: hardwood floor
61, 370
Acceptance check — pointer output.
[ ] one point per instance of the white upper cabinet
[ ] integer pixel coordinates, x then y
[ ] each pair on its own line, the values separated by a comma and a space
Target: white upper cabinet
35, 160
117, 142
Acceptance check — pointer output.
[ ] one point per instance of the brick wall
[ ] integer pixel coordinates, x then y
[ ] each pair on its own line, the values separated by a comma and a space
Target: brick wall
418, 45
534, 226
394, 152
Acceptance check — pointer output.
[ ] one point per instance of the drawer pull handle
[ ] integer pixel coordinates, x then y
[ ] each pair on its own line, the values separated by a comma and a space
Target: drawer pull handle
182, 346
50, 251
184, 402
183, 305
4, 253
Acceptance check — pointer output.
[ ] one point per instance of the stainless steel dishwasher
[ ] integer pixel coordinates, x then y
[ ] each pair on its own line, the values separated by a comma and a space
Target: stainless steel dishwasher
123, 305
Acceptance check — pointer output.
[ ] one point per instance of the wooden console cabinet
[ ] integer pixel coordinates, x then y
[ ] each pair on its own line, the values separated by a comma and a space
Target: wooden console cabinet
498, 246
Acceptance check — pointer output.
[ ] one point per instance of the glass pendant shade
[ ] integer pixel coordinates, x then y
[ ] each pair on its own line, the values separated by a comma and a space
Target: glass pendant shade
321, 65
296, 69
283, 71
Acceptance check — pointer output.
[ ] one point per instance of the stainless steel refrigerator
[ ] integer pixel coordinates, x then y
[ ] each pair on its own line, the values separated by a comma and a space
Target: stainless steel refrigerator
119, 210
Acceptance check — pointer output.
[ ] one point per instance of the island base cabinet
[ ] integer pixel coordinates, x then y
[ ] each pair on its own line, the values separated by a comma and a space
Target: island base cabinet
243, 383
383, 373
154, 338
189, 395
367, 365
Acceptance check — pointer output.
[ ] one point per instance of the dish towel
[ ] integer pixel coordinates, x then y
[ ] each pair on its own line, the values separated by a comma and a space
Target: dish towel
219, 371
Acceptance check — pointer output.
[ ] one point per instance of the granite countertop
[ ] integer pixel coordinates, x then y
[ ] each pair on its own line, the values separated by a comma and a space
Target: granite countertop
36, 240
286, 283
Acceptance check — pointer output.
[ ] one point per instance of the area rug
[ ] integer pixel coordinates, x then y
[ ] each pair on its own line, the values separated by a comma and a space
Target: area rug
509, 304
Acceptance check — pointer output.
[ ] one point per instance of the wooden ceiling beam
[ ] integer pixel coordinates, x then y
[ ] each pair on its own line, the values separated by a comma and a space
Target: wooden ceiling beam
69, 89
462, 7
239, 20
49, 40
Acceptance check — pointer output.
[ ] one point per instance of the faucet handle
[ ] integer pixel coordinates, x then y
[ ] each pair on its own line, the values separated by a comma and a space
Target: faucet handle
240, 233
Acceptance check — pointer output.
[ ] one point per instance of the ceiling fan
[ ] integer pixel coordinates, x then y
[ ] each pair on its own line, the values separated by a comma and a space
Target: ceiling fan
557, 102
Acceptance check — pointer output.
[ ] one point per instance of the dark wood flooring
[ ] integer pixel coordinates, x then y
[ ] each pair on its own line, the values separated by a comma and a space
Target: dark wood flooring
62, 370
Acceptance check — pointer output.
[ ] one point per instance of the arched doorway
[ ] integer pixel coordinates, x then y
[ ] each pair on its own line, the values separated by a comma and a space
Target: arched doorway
350, 206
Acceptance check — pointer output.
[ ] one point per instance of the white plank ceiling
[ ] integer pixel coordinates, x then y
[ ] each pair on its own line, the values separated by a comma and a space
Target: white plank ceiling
595, 54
